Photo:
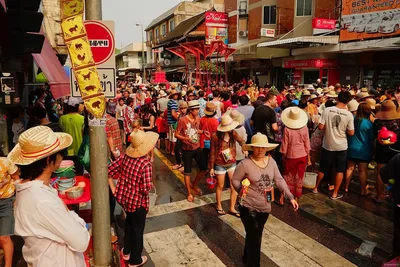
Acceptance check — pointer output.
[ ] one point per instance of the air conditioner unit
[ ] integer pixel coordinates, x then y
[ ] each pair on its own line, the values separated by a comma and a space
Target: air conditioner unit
242, 33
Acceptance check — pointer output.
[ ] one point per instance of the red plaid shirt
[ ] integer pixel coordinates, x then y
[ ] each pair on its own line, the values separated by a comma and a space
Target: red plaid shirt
134, 182
113, 131
129, 117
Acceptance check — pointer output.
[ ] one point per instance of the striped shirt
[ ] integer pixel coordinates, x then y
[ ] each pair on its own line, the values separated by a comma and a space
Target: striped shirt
172, 105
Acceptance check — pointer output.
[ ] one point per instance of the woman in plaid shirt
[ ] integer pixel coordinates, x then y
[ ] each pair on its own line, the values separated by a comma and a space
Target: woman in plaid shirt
134, 173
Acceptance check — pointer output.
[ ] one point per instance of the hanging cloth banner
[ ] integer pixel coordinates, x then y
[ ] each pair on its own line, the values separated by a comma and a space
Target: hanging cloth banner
81, 56
178, 50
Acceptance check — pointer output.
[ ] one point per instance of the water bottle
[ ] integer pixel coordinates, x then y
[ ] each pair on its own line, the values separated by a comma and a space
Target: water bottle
117, 152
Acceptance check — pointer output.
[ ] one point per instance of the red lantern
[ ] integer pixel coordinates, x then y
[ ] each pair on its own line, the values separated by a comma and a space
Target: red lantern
386, 137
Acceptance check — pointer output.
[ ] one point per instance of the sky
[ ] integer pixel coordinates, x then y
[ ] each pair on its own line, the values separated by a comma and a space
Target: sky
126, 13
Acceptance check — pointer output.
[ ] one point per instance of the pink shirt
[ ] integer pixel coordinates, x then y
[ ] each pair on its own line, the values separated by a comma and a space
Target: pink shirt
295, 143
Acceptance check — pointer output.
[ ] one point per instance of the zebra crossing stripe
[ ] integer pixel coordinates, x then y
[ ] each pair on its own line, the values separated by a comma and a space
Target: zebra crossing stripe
286, 246
179, 246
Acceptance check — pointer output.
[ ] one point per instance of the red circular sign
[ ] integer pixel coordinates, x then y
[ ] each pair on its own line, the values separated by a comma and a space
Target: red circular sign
101, 41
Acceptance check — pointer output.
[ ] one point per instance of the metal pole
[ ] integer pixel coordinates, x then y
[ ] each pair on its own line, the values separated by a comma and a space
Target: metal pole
99, 174
143, 65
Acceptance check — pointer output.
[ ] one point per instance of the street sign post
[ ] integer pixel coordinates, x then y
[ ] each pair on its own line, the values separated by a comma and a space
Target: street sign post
102, 43
107, 79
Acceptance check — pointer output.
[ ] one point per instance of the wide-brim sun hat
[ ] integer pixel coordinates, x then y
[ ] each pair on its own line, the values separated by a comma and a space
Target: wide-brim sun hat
313, 97
236, 116
194, 104
291, 88
227, 124
306, 93
183, 104
38, 143
141, 143
210, 109
332, 94
363, 95
310, 87
294, 118
174, 92
370, 102
259, 140
162, 93
388, 111
353, 105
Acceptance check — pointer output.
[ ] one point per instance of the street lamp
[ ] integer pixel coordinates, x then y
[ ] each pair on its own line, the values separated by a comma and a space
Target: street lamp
143, 66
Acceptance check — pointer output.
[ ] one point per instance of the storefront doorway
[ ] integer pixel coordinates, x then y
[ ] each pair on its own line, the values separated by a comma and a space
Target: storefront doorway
310, 76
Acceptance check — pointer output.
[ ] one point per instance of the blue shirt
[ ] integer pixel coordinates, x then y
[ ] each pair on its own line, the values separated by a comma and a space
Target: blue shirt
361, 144
172, 105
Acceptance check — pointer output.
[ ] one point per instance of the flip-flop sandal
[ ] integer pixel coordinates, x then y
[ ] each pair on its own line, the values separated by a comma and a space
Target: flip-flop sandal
190, 198
124, 256
314, 191
220, 211
337, 197
376, 200
144, 260
177, 167
236, 214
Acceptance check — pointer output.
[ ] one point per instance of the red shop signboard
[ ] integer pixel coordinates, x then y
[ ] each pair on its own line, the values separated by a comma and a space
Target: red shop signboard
216, 17
325, 24
310, 63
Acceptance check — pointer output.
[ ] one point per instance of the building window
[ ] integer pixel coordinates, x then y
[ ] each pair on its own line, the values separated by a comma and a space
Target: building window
269, 16
304, 8
150, 36
164, 29
156, 33
171, 25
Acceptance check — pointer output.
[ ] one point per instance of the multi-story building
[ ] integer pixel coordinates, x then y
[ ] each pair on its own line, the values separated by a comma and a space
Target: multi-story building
129, 59
266, 31
164, 24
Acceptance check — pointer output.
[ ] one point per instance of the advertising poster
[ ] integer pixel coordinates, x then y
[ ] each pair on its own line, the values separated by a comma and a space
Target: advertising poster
216, 27
365, 19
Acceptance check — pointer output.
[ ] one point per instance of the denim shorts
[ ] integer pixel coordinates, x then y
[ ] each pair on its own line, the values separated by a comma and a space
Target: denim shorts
7, 216
220, 170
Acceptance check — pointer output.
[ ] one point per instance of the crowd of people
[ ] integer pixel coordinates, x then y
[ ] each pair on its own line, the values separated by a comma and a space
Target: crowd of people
254, 138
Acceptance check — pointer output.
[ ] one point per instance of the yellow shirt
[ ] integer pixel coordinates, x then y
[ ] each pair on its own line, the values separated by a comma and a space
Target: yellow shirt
7, 168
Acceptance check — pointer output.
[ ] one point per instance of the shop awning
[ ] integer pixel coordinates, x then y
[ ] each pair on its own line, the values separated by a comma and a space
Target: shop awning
302, 40
54, 71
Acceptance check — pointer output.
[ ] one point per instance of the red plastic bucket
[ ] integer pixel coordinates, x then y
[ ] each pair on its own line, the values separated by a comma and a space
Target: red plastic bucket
211, 182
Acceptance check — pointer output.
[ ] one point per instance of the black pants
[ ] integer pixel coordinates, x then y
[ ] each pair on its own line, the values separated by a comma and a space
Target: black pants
254, 225
133, 240
206, 153
396, 234
177, 151
113, 203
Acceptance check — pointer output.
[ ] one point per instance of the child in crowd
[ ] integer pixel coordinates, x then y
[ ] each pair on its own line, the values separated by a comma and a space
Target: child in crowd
162, 126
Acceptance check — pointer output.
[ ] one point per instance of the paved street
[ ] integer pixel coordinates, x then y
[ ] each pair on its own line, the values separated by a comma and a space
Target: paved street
322, 233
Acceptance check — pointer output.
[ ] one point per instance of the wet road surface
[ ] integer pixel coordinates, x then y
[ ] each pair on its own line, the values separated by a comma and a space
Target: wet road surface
322, 233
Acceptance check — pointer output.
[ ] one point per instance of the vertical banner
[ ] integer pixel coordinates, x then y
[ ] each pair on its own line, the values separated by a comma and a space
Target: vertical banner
216, 27
81, 56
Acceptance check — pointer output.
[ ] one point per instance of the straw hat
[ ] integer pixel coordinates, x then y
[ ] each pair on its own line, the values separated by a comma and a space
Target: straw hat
291, 88
259, 140
314, 97
236, 116
174, 92
193, 104
332, 94
162, 93
331, 88
183, 104
370, 102
210, 109
183, 93
363, 95
364, 90
310, 87
227, 124
294, 118
38, 143
326, 90
352, 93
141, 143
388, 111
353, 105
305, 93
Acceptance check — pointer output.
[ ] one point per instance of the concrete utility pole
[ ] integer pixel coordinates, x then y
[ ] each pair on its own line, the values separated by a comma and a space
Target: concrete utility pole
143, 64
99, 173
